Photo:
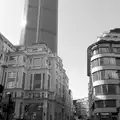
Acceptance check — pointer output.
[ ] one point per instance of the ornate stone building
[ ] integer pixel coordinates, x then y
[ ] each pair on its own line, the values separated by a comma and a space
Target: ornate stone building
35, 77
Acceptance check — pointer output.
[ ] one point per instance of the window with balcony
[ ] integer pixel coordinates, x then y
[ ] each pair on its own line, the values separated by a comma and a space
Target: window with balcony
105, 103
109, 89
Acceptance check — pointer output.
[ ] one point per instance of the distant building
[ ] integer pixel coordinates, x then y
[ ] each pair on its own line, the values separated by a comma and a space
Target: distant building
104, 75
35, 77
81, 107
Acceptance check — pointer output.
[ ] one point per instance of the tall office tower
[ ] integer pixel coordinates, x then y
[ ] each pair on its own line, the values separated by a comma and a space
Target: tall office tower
104, 76
41, 18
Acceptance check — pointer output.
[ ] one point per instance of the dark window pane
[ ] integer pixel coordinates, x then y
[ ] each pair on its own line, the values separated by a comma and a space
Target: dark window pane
104, 89
99, 104
12, 57
37, 76
110, 103
37, 86
118, 61
98, 90
23, 80
48, 81
112, 89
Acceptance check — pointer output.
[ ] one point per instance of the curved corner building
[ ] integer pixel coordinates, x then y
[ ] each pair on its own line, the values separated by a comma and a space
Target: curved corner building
103, 64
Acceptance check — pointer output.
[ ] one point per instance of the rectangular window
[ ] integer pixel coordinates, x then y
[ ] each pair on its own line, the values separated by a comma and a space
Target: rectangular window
42, 95
104, 50
24, 75
11, 84
11, 74
6, 58
48, 82
110, 103
112, 61
43, 80
11, 80
31, 82
104, 89
95, 51
24, 59
99, 104
11, 58
37, 86
37, 81
114, 50
4, 78
118, 61
37, 76
112, 89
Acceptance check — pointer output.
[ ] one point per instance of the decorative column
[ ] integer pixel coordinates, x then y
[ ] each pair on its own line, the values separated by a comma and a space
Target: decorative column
45, 110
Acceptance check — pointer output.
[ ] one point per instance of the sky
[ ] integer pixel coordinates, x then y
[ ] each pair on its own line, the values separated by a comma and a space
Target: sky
80, 22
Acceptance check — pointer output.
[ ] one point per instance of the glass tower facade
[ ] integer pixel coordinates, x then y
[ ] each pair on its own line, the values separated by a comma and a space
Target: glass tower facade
41, 18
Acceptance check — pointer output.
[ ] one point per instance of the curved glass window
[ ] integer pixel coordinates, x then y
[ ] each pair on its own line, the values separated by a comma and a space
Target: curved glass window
106, 89
105, 75
105, 61
116, 49
105, 103
101, 50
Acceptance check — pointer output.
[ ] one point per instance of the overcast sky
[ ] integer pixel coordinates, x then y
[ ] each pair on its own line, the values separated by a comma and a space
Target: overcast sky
79, 24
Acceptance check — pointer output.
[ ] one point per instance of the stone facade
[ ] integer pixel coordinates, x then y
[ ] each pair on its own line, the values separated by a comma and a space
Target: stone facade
35, 76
